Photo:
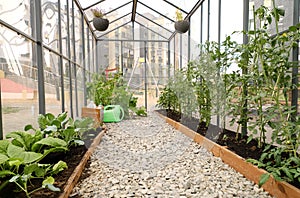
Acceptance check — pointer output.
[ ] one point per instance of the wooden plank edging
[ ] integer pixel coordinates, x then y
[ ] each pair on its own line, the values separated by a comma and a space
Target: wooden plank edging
73, 179
251, 172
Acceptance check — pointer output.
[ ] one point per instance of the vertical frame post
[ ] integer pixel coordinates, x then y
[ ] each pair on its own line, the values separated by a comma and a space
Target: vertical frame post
39, 55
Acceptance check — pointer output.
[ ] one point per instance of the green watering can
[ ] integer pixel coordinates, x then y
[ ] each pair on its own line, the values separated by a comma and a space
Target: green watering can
113, 113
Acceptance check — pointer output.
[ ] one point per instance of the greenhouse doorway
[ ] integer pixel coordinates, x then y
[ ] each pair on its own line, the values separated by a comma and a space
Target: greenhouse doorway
145, 66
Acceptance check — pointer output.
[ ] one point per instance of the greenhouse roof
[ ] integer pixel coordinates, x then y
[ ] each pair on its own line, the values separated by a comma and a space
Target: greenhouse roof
155, 15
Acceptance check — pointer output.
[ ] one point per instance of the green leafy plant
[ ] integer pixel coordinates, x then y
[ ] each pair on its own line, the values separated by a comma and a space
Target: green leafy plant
38, 171
22, 152
111, 91
262, 91
62, 127
168, 100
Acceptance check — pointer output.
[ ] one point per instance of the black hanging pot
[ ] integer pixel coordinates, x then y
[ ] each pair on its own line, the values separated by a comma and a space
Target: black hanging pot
182, 26
100, 24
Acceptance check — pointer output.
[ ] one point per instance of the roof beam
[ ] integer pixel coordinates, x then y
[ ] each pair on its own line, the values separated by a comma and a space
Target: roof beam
134, 5
176, 6
86, 8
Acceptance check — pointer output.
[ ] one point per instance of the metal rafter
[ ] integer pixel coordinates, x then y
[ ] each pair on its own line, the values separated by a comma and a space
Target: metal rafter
86, 8
175, 6
134, 5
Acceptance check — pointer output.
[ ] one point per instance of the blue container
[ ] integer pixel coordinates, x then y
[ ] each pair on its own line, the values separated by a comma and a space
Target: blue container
113, 113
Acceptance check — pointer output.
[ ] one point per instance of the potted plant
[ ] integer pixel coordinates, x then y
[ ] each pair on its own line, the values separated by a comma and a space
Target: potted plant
181, 25
100, 23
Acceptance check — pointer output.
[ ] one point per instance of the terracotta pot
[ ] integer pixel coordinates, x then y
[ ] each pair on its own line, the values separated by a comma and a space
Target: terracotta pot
182, 26
100, 24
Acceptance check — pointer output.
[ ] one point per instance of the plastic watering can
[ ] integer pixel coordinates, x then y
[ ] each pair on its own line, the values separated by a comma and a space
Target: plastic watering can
113, 113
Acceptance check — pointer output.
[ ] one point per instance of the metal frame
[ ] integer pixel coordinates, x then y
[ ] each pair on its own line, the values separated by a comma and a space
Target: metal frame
37, 39
40, 55
295, 70
245, 71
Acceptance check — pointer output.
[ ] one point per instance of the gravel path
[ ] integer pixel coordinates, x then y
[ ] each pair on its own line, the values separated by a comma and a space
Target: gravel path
145, 157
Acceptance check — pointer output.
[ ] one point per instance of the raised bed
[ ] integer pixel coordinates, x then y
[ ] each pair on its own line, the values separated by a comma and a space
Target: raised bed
251, 172
76, 159
73, 179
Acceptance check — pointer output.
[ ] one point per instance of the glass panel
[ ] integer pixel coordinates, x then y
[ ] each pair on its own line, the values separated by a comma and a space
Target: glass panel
233, 20
205, 21
86, 51
78, 36
19, 14
214, 20
92, 52
124, 33
50, 24
52, 83
284, 21
71, 27
74, 91
195, 28
66, 70
160, 33
64, 28
177, 64
18, 75
80, 89
167, 9
104, 55
184, 48
156, 17
172, 55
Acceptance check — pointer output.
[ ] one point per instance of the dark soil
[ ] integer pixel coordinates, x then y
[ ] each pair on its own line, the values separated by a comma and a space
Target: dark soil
72, 158
233, 141
222, 137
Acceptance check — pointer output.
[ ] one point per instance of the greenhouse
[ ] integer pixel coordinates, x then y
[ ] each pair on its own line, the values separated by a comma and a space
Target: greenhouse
161, 98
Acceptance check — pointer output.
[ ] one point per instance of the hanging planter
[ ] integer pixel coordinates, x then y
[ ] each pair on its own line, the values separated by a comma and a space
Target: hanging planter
100, 23
181, 26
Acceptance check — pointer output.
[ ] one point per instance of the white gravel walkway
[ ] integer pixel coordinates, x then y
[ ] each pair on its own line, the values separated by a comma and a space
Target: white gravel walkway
145, 157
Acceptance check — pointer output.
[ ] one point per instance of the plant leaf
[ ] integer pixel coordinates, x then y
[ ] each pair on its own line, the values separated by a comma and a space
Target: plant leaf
48, 183
3, 158
17, 152
59, 166
288, 173
51, 141
3, 146
4, 173
263, 179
